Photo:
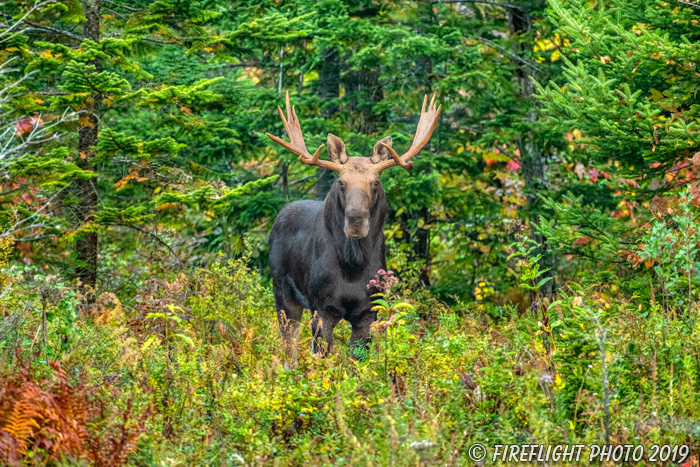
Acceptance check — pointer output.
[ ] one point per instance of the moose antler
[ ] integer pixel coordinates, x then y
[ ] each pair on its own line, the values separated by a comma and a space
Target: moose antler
297, 144
426, 126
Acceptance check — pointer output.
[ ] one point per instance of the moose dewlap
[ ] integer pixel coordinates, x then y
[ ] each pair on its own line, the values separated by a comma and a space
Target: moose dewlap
324, 253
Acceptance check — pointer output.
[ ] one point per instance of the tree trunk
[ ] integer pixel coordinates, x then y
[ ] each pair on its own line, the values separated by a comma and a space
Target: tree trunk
532, 153
86, 245
421, 238
365, 92
328, 89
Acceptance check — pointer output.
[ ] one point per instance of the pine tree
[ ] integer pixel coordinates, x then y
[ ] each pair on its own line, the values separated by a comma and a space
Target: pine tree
91, 57
630, 100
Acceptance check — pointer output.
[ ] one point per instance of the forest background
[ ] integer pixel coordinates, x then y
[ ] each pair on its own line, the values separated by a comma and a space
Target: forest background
546, 242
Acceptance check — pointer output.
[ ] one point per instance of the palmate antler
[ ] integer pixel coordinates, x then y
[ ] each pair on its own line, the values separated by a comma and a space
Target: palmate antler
426, 125
297, 144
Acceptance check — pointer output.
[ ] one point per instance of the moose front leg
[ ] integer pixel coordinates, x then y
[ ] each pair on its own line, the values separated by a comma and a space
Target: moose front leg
359, 337
322, 330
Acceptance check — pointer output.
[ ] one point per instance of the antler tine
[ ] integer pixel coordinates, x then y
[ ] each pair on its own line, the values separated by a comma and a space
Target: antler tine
396, 159
296, 142
426, 125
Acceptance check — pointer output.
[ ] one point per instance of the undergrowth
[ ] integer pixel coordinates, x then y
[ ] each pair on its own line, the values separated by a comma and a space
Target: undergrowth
190, 372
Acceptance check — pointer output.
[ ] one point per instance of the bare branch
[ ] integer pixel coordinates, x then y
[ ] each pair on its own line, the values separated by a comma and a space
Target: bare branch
486, 2
40, 27
17, 227
155, 237
694, 5
36, 6
504, 51
119, 5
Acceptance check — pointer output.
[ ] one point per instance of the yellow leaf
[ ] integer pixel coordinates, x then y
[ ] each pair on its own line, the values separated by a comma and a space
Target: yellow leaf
656, 95
148, 343
85, 121
555, 55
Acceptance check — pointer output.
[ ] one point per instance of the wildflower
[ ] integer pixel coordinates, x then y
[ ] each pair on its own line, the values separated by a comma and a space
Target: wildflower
546, 378
383, 281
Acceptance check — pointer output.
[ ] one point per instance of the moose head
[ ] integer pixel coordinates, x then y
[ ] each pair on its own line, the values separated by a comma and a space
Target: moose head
358, 177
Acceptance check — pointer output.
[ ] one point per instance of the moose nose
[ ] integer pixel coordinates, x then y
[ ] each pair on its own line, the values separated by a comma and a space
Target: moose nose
356, 224
356, 217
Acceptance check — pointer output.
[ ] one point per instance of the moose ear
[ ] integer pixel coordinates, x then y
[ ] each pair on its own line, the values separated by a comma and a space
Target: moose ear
336, 149
380, 153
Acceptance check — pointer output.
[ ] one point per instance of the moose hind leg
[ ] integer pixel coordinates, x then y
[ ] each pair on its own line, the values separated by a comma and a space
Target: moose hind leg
316, 346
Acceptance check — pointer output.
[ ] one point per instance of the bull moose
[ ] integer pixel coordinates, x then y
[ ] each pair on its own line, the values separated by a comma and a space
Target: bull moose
324, 253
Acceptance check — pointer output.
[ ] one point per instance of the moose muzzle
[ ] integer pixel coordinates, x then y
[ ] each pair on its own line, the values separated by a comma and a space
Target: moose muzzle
357, 215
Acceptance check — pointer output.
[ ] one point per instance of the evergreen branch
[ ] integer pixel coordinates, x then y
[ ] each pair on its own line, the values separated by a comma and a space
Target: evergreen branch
116, 35
486, 2
157, 41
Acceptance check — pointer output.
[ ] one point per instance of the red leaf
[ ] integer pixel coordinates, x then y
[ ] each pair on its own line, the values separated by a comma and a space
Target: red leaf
512, 166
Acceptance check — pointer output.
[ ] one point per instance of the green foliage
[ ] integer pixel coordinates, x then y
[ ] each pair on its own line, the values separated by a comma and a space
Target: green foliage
629, 89
629, 101
671, 247
149, 136
200, 357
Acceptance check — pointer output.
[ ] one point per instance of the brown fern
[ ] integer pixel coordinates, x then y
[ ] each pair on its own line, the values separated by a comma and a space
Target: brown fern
112, 441
46, 416
58, 420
